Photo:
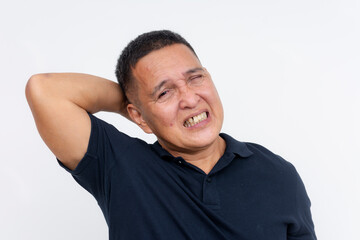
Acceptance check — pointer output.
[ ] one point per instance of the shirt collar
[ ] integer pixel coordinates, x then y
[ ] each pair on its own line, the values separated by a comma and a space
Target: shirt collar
161, 151
236, 147
232, 146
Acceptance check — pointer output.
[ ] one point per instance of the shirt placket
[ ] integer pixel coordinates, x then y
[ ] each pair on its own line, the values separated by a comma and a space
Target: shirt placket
210, 192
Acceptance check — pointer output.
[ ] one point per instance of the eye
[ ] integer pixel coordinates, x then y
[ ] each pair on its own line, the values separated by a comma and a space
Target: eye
163, 93
196, 79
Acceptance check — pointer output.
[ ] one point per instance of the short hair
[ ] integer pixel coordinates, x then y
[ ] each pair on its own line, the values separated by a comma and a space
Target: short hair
140, 47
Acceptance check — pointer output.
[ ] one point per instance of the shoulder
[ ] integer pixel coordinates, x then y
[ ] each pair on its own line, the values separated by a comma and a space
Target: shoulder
101, 128
265, 156
267, 165
259, 159
111, 145
279, 173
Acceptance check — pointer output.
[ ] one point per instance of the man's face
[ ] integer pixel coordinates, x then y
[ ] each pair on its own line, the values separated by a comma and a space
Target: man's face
177, 100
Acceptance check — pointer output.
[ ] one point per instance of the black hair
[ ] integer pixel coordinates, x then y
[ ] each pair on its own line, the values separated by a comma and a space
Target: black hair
140, 47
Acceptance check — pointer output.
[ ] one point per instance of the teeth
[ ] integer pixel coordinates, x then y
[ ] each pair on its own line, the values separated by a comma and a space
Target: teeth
195, 120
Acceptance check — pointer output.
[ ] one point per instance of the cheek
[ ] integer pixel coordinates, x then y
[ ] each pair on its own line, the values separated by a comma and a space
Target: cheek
210, 97
170, 119
213, 95
167, 116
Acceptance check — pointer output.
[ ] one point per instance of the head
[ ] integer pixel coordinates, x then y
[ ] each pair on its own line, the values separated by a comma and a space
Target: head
138, 48
169, 92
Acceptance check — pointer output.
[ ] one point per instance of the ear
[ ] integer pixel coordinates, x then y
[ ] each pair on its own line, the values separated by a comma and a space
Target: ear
136, 117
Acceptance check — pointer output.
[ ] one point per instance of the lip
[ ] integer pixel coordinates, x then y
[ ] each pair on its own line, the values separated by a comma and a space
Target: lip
200, 123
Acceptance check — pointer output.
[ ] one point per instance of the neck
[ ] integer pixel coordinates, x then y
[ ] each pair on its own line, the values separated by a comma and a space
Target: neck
204, 158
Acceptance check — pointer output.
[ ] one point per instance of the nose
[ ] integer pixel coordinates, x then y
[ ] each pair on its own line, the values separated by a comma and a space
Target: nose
188, 98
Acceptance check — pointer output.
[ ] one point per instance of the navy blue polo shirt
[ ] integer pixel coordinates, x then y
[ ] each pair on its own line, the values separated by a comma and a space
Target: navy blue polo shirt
146, 193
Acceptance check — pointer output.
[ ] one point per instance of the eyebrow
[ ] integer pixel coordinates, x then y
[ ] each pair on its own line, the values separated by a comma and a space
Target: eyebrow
162, 83
193, 70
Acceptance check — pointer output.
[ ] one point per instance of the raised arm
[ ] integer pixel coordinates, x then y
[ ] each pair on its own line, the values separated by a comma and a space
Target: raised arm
59, 103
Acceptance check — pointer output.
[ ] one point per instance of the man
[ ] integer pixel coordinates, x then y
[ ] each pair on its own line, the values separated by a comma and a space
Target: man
193, 183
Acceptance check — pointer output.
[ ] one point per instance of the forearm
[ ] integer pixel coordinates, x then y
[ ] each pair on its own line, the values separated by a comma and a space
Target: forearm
89, 92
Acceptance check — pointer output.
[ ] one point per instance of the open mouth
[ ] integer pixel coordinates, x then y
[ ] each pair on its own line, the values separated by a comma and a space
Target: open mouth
196, 119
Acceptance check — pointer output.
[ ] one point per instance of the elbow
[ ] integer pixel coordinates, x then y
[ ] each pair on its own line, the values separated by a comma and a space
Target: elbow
34, 86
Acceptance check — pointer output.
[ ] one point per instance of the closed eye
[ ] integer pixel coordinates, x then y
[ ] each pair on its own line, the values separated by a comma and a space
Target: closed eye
196, 77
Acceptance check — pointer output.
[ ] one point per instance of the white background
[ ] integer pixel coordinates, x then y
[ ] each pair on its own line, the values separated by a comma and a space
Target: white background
287, 73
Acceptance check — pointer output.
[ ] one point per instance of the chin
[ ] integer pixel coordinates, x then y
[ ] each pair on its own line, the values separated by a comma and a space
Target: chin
202, 140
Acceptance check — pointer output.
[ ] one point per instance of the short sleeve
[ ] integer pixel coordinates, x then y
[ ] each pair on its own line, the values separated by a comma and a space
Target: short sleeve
302, 228
91, 171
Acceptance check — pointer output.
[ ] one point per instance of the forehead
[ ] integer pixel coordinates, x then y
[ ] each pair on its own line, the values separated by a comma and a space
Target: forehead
166, 63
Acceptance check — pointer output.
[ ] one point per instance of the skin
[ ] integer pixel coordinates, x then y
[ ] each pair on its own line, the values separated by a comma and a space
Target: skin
172, 86
59, 103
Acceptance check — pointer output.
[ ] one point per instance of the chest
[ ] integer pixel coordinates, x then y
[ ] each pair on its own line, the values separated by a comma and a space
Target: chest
168, 199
